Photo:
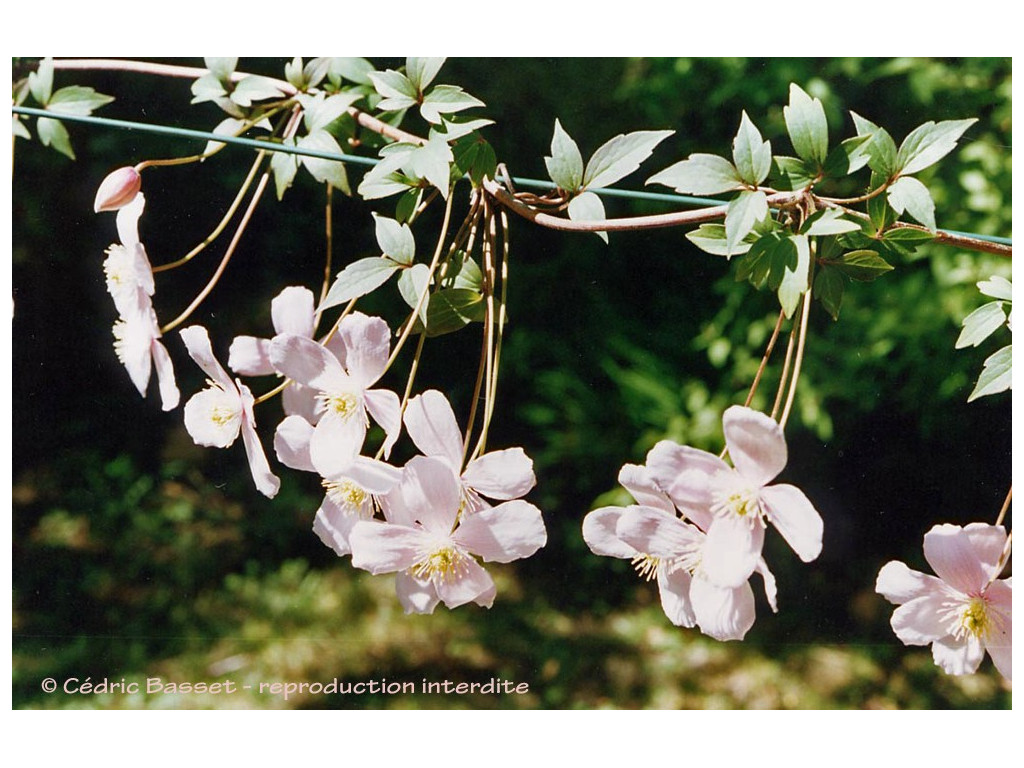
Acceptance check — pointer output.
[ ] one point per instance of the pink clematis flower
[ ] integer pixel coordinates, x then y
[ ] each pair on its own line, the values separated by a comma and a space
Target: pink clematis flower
138, 347
431, 550
127, 267
291, 312
216, 416
663, 546
342, 377
739, 498
501, 475
117, 190
962, 612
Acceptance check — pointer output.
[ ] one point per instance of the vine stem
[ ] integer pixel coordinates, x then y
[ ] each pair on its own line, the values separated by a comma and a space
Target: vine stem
1005, 507
784, 377
795, 379
764, 360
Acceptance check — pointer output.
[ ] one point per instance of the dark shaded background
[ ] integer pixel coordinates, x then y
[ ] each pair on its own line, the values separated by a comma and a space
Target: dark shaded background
138, 554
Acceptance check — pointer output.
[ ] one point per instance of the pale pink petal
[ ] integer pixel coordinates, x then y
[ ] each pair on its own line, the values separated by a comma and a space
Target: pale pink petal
386, 409
471, 584
249, 356
723, 613
298, 400
640, 483
292, 311
501, 475
899, 584
302, 359
395, 509
128, 221
210, 432
599, 532
291, 443
197, 342
674, 590
999, 642
756, 444
169, 395
949, 552
919, 621
384, 548
333, 525
958, 657
430, 493
486, 598
654, 533
373, 476
684, 473
731, 550
367, 343
503, 533
267, 482
988, 542
134, 346
770, 590
335, 443
430, 422
415, 595
793, 515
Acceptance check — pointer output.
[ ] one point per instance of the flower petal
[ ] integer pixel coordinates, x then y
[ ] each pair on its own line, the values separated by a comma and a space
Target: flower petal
640, 483
472, 584
335, 443
291, 443
266, 481
599, 532
999, 642
731, 551
431, 493
770, 589
249, 356
723, 613
654, 533
416, 595
958, 657
674, 590
919, 621
501, 475
213, 417
292, 311
684, 473
367, 343
333, 525
169, 395
988, 542
756, 443
384, 548
899, 584
302, 359
507, 532
430, 422
386, 409
793, 515
127, 220
197, 342
949, 551
374, 476
299, 400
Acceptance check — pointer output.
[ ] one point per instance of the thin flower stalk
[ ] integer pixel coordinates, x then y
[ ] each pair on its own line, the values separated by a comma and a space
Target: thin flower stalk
799, 359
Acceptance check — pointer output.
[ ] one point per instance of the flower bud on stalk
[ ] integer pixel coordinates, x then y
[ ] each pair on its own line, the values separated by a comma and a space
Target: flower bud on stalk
118, 189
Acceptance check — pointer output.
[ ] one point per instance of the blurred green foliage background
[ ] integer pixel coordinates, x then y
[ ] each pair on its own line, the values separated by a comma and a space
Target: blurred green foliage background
138, 555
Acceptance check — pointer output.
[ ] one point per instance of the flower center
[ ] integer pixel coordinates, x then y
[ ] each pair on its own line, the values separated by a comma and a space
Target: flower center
120, 340
444, 563
118, 268
646, 566
346, 494
975, 620
344, 404
735, 496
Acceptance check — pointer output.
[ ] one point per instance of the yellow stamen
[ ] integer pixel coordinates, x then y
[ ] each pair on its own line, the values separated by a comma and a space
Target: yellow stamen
445, 563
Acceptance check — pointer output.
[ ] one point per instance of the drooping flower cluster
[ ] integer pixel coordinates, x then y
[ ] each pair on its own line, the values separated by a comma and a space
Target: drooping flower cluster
698, 524
963, 611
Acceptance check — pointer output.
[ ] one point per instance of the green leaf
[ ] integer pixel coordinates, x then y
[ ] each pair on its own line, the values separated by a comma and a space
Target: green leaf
475, 157
850, 156
862, 265
254, 88
321, 110
207, 88
221, 67
794, 280
791, 173
315, 71
565, 166
53, 133
880, 213
828, 289
620, 156
422, 71
997, 287
19, 128
469, 275
432, 162
446, 99
396, 89
407, 204
829, 222
807, 126
77, 100
929, 143
757, 263
907, 237
980, 324
910, 195
396, 240
699, 174
710, 238
881, 148
996, 376
458, 126
588, 207
351, 68
293, 73
751, 155
412, 283
385, 178
325, 171
745, 210
453, 308
358, 279
40, 82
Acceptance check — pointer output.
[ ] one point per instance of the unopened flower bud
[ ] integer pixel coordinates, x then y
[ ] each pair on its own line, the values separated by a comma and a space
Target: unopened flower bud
118, 189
